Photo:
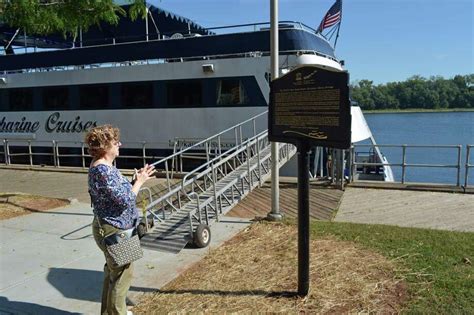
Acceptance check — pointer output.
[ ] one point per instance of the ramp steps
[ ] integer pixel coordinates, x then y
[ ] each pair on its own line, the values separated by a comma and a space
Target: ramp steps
206, 193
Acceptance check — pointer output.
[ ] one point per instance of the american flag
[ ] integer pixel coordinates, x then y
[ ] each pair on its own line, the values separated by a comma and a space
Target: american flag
332, 17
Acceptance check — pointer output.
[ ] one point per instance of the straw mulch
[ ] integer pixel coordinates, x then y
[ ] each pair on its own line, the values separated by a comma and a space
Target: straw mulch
16, 204
256, 271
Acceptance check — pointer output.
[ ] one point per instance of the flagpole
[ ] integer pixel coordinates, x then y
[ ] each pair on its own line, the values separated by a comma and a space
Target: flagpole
274, 214
338, 27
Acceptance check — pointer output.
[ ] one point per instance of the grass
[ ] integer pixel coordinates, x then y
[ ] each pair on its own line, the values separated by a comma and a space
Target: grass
437, 265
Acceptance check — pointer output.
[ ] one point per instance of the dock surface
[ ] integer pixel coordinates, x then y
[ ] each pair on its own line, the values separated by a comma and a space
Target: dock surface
323, 202
421, 209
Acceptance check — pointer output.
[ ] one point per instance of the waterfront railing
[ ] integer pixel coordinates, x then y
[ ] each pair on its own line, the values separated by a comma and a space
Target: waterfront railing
457, 149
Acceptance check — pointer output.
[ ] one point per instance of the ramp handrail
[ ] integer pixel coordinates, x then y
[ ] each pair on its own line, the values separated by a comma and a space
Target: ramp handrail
216, 136
185, 181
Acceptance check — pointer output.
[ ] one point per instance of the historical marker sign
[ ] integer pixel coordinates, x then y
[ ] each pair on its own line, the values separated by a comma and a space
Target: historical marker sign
311, 104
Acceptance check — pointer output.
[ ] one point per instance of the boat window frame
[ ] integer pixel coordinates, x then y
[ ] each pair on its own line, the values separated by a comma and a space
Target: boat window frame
66, 102
128, 87
22, 92
105, 102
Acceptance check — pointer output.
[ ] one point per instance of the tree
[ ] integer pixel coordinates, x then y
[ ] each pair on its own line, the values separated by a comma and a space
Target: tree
44, 17
416, 92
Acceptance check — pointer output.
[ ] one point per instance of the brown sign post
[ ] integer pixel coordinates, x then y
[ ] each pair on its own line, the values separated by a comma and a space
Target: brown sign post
309, 106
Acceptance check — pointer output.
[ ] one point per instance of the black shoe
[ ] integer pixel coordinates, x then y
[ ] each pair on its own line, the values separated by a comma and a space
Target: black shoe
130, 302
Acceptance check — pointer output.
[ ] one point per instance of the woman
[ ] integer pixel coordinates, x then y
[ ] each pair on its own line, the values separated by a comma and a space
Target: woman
113, 199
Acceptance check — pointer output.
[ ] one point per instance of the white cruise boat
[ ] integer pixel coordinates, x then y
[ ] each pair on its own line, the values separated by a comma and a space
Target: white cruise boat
178, 83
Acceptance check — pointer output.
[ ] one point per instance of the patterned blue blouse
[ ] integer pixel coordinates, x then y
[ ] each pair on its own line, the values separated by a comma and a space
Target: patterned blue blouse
112, 196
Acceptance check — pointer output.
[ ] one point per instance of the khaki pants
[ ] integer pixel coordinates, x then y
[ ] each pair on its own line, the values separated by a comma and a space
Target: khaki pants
117, 280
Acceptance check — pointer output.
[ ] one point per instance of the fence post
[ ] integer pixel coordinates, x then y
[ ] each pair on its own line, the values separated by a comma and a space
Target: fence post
404, 148
56, 149
82, 155
144, 153
468, 149
259, 166
30, 153
458, 180
248, 166
7, 153
351, 166
214, 180
53, 143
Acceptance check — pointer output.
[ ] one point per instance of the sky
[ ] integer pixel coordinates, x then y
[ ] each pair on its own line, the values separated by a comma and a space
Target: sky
379, 40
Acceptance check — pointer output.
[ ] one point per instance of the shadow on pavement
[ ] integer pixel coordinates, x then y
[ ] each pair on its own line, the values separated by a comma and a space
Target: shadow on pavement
21, 308
85, 285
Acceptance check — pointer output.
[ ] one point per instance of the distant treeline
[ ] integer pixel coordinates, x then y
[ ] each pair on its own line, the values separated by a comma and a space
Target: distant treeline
416, 92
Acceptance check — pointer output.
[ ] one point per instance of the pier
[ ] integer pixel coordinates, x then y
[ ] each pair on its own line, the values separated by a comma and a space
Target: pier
56, 247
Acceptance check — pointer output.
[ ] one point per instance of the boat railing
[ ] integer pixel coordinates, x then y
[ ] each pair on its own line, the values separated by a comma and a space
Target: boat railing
468, 164
60, 153
30, 47
250, 54
192, 152
457, 149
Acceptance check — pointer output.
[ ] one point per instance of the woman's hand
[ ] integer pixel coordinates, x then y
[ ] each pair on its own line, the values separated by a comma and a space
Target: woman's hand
145, 173
141, 176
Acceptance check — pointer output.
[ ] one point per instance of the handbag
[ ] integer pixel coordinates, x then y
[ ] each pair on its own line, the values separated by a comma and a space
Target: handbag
123, 246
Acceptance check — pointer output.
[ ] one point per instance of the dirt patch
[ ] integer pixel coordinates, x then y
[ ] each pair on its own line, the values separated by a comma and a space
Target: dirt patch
13, 205
256, 272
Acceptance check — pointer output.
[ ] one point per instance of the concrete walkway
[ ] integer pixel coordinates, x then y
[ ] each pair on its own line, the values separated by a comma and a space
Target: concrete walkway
49, 263
422, 209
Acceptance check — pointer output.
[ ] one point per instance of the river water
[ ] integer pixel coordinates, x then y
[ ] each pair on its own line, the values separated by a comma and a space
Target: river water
442, 128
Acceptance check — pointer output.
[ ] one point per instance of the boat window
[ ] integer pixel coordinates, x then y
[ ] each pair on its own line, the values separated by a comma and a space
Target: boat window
231, 92
137, 95
93, 96
21, 99
184, 93
56, 98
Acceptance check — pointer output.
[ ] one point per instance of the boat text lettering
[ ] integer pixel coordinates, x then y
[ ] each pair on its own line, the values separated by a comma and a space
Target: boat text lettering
54, 124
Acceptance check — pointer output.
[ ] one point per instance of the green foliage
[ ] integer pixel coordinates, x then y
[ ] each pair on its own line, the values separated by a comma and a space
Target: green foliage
416, 92
64, 16
437, 265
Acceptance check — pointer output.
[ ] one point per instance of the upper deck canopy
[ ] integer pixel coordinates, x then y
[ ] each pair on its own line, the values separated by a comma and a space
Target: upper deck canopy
160, 22
170, 37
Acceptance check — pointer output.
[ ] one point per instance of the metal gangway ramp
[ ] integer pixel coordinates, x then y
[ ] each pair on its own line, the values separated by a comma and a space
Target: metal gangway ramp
228, 166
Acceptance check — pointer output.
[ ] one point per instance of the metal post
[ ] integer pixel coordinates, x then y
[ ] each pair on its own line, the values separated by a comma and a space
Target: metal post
80, 36
24, 38
303, 218
467, 166
144, 152
404, 149
146, 23
54, 153
258, 165
351, 164
214, 180
275, 211
7, 153
30, 153
248, 167
82, 155
343, 168
458, 181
